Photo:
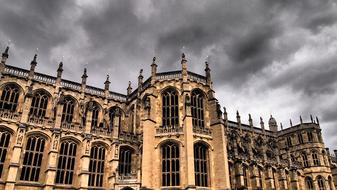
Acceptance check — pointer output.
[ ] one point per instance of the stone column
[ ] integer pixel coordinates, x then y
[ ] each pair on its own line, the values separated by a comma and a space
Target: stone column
189, 147
270, 179
113, 164
255, 178
52, 161
283, 179
26, 107
239, 174
294, 179
15, 160
85, 159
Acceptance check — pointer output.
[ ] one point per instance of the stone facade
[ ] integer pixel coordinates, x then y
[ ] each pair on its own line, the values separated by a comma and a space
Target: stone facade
169, 133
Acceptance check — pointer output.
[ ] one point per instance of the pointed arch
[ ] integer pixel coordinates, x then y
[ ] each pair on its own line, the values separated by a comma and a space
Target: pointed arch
170, 107
39, 103
9, 98
198, 107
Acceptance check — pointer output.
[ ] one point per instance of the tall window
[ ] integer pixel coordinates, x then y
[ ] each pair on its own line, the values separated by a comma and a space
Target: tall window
309, 183
260, 178
232, 175
125, 161
170, 108
309, 134
66, 163
94, 116
197, 108
305, 160
315, 159
9, 98
320, 182
245, 175
68, 110
39, 104
201, 165
32, 159
170, 164
4, 142
289, 143
114, 113
300, 138
96, 166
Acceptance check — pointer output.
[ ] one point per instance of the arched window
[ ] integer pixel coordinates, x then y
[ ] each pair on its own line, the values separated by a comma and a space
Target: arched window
32, 158
39, 105
300, 138
232, 175
201, 165
125, 161
309, 183
170, 108
96, 166
170, 164
115, 113
9, 98
309, 134
4, 142
315, 159
245, 175
305, 160
66, 163
68, 110
320, 182
197, 108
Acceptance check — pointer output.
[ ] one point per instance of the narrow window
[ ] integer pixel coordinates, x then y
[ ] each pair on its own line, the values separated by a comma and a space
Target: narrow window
39, 105
289, 143
309, 183
197, 108
32, 159
260, 178
9, 98
316, 160
96, 166
245, 175
115, 113
4, 142
66, 163
305, 160
94, 116
201, 165
321, 181
68, 110
309, 134
125, 161
232, 175
170, 109
170, 164
300, 138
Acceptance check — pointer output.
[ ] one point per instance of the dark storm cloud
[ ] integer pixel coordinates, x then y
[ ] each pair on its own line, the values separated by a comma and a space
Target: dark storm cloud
255, 47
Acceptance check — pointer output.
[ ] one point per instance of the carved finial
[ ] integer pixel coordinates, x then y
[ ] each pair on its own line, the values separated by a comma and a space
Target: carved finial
224, 110
5, 53
301, 120
317, 120
262, 123
60, 66
291, 123
60, 70
311, 118
85, 73
35, 58
129, 89
141, 72
154, 59
107, 79
250, 120
261, 120
237, 113
281, 126
183, 56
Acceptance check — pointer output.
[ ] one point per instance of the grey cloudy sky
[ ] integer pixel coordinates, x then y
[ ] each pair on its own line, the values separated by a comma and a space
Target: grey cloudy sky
267, 56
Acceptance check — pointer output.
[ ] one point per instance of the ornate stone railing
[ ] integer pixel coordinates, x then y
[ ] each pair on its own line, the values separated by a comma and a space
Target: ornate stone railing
117, 96
70, 85
169, 130
169, 75
202, 131
101, 131
72, 126
10, 70
5, 114
94, 91
196, 77
127, 178
44, 78
41, 121
130, 137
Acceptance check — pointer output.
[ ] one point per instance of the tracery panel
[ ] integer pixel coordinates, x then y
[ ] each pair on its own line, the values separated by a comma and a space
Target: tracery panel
68, 110
4, 143
170, 108
39, 105
197, 109
170, 164
96, 166
9, 98
201, 165
66, 163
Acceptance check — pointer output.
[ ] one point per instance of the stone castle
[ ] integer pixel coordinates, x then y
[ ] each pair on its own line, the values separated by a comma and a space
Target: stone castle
168, 133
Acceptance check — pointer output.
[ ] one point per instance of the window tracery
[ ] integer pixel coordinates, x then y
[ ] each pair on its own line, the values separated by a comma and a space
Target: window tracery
39, 104
170, 164
4, 143
170, 108
125, 161
197, 109
66, 163
201, 164
9, 98
68, 110
96, 166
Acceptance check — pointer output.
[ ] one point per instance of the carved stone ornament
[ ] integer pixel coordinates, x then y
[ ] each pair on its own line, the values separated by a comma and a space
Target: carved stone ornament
87, 147
56, 142
20, 136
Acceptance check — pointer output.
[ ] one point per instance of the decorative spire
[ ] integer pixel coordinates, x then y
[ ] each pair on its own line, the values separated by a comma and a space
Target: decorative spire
311, 118
129, 89
250, 120
262, 123
84, 79
225, 113
317, 120
33, 64
5, 53
301, 120
281, 126
184, 67
106, 83
291, 123
60, 70
153, 68
208, 74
